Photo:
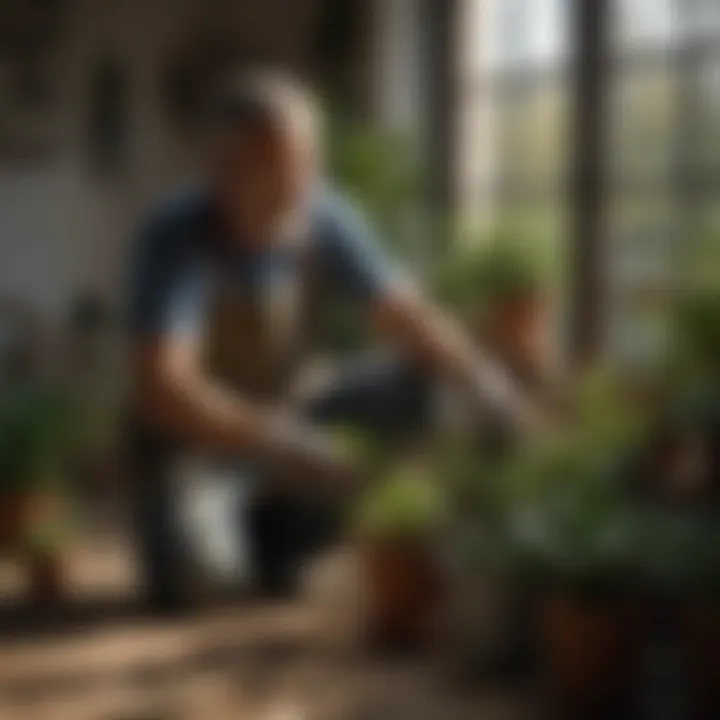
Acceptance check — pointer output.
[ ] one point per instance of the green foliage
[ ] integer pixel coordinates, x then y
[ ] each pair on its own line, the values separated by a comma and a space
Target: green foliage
499, 265
558, 506
562, 509
37, 431
406, 504
704, 260
680, 552
364, 450
381, 169
698, 329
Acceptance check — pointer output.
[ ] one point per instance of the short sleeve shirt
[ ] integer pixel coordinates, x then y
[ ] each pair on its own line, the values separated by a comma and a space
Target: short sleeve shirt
172, 281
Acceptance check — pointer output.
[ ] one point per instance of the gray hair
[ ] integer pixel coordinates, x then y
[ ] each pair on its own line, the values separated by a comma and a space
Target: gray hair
265, 98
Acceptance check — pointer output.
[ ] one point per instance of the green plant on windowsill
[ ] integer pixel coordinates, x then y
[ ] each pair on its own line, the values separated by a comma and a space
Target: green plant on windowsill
498, 266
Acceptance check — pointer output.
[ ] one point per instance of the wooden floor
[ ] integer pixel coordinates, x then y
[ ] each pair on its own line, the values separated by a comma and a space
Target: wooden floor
100, 659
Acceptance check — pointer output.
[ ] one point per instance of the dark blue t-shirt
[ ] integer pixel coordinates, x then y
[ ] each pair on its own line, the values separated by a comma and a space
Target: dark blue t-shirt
174, 271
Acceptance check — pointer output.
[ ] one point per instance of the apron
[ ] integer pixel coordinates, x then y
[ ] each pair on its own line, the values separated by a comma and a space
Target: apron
255, 340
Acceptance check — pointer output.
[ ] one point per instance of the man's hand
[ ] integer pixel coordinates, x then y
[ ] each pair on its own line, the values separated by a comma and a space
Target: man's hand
497, 394
175, 395
306, 460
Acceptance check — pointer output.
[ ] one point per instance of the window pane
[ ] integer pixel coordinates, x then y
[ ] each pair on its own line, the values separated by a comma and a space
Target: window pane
525, 32
533, 136
705, 124
645, 23
699, 18
544, 223
645, 266
644, 122
644, 242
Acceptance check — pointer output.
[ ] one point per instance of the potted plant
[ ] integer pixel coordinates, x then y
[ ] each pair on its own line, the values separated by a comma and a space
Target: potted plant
35, 428
496, 284
572, 531
397, 525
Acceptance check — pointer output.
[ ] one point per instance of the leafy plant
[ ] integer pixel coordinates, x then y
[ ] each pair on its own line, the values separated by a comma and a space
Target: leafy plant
365, 450
37, 430
680, 552
381, 170
698, 329
560, 505
405, 504
497, 266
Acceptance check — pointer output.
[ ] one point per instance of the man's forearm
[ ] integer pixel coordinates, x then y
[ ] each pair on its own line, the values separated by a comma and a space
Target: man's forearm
206, 415
441, 343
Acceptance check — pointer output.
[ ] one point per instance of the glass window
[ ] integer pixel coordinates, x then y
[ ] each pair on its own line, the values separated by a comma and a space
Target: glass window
644, 23
663, 152
525, 33
705, 124
644, 118
532, 135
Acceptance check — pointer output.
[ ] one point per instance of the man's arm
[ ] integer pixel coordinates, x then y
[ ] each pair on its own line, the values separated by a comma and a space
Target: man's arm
175, 395
408, 319
412, 322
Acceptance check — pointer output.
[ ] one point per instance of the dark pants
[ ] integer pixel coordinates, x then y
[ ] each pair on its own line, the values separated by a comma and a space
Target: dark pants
280, 531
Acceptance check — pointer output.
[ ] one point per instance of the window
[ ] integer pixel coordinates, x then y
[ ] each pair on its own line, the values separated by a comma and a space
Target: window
665, 161
522, 82
663, 112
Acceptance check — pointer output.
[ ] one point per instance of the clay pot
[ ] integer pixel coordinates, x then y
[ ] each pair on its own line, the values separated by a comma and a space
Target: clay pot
20, 513
591, 646
515, 328
12, 519
404, 593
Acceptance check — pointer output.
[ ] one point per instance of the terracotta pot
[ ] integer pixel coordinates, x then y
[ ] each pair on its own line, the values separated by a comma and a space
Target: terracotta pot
21, 511
404, 593
591, 647
515, 328
12, 513
702, 637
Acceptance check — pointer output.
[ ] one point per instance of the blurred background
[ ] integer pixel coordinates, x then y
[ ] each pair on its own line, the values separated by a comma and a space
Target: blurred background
561, 156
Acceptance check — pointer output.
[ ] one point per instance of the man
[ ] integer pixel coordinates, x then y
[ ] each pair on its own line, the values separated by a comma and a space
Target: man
226, 284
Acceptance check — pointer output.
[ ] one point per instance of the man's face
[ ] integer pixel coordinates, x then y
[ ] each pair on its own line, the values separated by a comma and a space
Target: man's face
266, 177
